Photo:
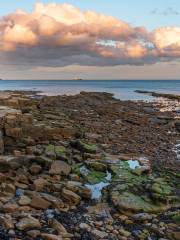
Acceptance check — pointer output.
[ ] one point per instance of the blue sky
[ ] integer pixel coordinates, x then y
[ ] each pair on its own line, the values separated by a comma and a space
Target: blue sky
136, 12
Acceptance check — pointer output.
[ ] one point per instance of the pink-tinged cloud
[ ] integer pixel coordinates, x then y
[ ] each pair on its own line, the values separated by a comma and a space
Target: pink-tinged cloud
62, 35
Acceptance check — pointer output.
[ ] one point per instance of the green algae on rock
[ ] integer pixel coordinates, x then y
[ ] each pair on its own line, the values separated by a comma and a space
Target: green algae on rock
84, 147
127, 201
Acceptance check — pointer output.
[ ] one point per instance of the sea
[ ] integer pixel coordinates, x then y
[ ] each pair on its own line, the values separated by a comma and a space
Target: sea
122, 89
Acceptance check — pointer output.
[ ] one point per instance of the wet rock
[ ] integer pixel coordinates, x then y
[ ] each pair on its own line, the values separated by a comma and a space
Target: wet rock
98, 166
60, 167
84, 192
135, 203
28, 223
161, 189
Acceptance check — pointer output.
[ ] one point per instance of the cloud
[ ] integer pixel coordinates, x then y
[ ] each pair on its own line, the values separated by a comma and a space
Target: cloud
57, 35
166, 12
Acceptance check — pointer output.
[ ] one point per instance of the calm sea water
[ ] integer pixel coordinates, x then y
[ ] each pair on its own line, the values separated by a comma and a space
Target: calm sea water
123, 89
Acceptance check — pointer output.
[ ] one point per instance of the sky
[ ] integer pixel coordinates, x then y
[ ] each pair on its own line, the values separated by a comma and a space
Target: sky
91, 39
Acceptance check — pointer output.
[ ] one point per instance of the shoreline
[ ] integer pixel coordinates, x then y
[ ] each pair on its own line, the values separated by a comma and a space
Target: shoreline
56, 150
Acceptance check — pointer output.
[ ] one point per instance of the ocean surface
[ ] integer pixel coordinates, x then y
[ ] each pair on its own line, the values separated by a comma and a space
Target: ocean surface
122, 89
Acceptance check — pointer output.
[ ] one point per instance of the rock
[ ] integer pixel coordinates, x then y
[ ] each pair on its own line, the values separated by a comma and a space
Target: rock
24, 200
34, 233
40, 184
73, 185
19, 192
9, 188
127, 201
102, 210
84, 192
60, 152
85, 226
88, 148
14, 132
60, 229
140, 170
161, 189
39, 203
47, 236
12, 162
176, 218
50, 151
99, 234
11, 233
10, 207
142, 217
71, 197
5, 163
44, 161
1, 143
176, 235
35, 169
7, 222
28, 223
56, 202
125, 233
97, 166
60, 167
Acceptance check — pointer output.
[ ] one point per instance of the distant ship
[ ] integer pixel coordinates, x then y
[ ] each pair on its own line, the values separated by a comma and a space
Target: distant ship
77, 78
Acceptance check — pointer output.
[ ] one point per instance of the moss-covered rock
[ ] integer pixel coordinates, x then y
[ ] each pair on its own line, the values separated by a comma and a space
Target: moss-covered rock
162, 190
94, 177
97, 166
84, 147
60, 150
176, 218
127, 201
50, 151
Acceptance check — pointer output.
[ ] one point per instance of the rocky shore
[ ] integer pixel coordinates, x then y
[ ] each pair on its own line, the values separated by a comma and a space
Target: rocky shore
88, 167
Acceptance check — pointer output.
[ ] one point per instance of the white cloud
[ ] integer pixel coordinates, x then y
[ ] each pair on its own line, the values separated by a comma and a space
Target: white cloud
56, 35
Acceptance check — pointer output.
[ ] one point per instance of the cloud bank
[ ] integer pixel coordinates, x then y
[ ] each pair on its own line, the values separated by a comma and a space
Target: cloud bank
57, 35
